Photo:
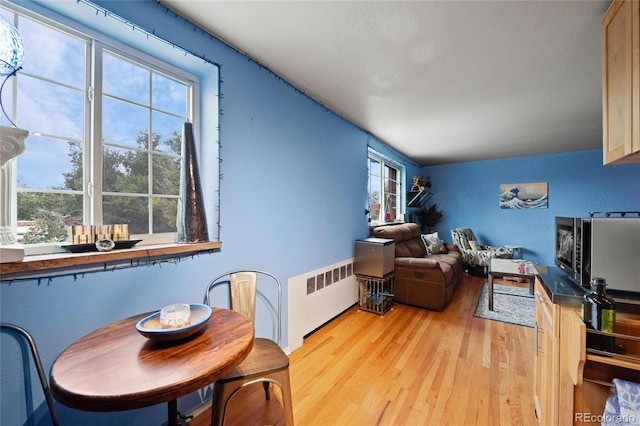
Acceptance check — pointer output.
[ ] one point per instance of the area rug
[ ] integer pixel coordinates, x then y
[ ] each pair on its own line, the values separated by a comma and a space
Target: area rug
511, 304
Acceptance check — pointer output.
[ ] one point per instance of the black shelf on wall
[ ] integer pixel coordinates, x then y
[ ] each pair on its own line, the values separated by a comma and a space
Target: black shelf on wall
418, 198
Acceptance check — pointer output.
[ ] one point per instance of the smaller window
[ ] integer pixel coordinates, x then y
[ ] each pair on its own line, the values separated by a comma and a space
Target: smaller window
385, 189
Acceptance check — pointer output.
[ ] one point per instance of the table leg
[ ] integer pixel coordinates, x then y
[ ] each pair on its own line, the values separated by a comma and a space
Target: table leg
531, 284
490, 291
172, 408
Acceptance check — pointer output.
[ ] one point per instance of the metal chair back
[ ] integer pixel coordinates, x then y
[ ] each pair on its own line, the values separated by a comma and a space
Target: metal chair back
243, 285
38, 363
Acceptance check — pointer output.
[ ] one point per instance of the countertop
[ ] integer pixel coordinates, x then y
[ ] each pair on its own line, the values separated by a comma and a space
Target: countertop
560, 288
564, 291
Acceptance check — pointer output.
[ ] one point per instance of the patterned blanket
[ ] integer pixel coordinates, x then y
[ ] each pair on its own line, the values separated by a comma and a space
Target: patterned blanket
623, 405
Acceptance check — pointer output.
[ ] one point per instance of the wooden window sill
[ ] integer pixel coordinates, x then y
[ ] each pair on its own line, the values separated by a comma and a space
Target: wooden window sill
62, 264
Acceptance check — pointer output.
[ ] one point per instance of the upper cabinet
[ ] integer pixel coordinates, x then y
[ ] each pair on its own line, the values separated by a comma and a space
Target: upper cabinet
621, 82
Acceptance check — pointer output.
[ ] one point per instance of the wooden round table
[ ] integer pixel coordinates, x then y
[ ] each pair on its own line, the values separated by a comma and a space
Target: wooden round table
115, 368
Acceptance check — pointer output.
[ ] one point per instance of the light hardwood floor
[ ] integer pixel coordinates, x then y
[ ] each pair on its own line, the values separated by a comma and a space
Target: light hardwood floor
409, 367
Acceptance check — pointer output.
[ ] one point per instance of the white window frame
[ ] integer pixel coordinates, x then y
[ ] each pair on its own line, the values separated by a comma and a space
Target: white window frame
401, 169
92, 191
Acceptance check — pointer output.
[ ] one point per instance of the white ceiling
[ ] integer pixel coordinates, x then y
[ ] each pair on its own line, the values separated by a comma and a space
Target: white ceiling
440, 81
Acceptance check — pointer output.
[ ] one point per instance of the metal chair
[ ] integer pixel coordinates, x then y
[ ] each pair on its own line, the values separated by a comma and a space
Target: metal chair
36, 359
267, 362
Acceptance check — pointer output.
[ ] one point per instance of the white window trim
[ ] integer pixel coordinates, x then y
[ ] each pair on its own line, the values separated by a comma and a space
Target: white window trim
115, 46
402, 208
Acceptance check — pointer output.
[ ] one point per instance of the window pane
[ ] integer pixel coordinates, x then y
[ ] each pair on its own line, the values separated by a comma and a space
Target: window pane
50, 163
125, 80
7, 102
169, 95
131, 210
374, 209
44, 217
390, 187
164, 214
50, 108
166, 175
124, 123
390, 183
374, 197
7, 14
390, 207
374, 167
52, 54
125, 171
390, 173
167, 133
374, 190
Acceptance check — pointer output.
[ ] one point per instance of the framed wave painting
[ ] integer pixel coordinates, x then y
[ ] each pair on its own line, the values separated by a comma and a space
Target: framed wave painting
524, 195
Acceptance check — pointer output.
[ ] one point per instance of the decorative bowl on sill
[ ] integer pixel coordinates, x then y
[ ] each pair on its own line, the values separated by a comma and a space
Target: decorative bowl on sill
84, 248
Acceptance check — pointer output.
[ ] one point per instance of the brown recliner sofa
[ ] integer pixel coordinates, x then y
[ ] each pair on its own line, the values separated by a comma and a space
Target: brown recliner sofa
421, 279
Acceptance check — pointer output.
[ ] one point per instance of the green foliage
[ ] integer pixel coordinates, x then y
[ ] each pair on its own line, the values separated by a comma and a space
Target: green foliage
73, 180
430, 215
124, 171
48, 229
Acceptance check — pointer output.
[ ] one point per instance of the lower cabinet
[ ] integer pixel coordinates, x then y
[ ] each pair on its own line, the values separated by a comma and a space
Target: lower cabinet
592, 391
559, 359
571, 384
546, 360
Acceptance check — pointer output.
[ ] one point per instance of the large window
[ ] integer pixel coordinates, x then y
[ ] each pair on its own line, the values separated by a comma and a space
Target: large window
385, 189
105, 129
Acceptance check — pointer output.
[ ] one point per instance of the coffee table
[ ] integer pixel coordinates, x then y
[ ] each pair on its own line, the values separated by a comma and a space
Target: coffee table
501, 268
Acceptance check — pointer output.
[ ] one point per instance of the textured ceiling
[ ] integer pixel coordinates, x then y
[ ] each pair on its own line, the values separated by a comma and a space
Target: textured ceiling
440, 81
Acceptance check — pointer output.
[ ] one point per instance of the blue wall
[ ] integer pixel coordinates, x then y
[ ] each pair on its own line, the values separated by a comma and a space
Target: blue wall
292, 200
468, 194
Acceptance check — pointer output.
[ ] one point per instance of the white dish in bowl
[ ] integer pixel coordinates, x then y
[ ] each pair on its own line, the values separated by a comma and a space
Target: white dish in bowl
151, 328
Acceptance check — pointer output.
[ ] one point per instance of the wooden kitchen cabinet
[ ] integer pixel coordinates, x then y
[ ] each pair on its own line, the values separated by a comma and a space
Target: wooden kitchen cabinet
571, 384
546, 362
621, 82
594, 387
559, 358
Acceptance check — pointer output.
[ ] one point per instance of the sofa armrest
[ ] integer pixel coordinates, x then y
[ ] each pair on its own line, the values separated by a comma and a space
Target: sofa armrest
417, 262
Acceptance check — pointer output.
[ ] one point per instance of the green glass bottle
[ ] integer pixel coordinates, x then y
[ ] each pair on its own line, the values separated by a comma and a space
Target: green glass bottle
599, 313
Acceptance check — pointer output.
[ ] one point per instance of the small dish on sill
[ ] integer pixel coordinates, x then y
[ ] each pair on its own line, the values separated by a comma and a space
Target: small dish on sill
85, 248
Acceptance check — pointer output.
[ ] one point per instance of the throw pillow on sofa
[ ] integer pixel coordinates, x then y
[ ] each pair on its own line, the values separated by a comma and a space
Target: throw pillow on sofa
437, 248
428, 239
433, 243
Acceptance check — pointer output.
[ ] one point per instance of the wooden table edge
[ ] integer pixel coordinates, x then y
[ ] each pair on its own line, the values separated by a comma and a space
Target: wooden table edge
112, 403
